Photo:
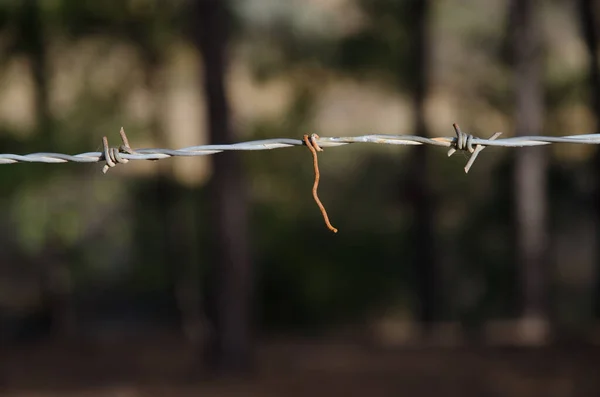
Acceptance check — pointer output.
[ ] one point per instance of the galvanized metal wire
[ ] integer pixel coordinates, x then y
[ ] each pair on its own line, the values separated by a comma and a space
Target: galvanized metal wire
461, 142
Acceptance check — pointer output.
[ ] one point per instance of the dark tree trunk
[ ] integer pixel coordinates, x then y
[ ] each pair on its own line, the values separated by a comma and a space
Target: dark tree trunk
55, 273
530, 173
177, 215
32, 27
420, 192
589, 23
56, 282
186, 277
232, 344
588, 11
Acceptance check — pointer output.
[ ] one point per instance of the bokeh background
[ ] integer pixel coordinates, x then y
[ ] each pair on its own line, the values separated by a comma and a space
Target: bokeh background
215, 275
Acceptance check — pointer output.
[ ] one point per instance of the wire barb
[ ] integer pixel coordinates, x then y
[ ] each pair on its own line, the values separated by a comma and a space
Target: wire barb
112, 155
314, 147
464, 142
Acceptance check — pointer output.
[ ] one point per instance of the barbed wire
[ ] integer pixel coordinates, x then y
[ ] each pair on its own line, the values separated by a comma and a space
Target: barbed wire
462, 142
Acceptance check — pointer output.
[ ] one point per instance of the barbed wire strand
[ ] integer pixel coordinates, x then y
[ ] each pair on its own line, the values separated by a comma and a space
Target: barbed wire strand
314, 148
462, 142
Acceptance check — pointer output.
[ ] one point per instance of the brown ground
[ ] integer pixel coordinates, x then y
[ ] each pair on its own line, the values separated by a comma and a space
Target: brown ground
163, 368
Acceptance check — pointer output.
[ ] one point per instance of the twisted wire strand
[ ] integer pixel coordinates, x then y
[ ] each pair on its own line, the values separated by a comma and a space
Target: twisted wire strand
148, 154
461, 142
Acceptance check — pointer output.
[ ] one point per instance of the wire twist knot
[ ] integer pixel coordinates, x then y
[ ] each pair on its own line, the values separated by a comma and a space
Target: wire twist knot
112, 155
464, 142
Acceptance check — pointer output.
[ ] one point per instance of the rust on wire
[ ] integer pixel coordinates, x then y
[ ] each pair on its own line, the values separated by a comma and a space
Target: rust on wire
314, 148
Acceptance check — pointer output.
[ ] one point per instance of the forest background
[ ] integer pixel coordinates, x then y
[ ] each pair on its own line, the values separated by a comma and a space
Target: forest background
226, 255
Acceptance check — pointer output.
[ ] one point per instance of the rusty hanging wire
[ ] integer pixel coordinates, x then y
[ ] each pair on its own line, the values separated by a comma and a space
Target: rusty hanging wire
314, 148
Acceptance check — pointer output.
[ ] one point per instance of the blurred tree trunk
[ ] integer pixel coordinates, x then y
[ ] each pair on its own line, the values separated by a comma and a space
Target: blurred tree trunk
183, 238
176, 211
589, 24
56, 283
55, 273
32, 28
231, 348
588, 12
530, 173
419, 186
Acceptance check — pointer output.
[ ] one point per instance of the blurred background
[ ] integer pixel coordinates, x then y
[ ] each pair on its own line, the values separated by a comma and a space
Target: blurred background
215, 275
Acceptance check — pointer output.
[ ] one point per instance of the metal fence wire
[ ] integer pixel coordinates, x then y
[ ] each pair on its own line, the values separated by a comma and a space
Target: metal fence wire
461, 142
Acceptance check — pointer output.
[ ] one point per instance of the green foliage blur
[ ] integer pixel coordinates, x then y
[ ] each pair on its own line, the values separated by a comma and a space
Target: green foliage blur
90, 67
